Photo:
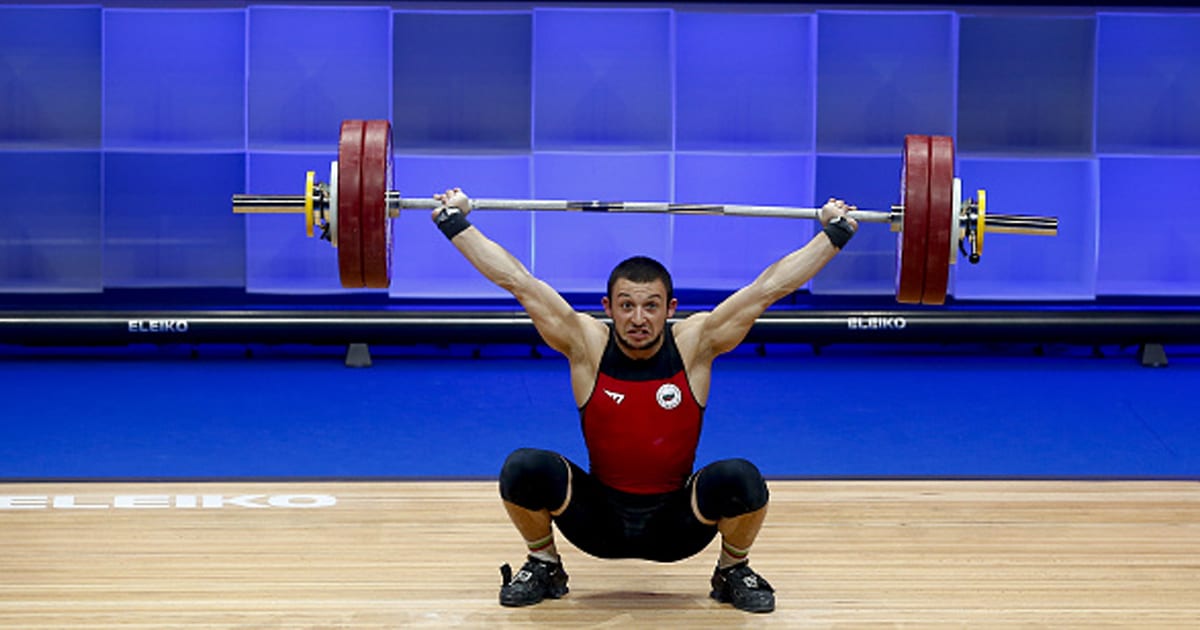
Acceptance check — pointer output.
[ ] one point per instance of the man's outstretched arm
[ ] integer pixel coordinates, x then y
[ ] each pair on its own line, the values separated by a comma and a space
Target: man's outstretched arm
556, 321
722, 329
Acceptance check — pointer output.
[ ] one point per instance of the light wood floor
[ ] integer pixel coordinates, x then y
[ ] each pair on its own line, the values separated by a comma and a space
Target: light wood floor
895, 554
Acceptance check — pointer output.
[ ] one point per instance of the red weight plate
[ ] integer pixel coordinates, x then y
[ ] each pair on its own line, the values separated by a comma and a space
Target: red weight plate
376, 227
941, 207
914, 196
350, 260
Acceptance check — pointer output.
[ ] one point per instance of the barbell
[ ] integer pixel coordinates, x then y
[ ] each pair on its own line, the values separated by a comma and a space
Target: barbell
353, 211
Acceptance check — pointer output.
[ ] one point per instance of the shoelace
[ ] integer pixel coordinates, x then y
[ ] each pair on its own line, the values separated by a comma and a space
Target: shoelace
751, 579
507, 577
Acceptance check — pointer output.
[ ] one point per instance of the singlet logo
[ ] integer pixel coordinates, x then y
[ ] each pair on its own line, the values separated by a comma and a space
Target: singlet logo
668, 396
618, 398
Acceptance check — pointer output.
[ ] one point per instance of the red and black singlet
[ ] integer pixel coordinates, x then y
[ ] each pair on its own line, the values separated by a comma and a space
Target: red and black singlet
642, 423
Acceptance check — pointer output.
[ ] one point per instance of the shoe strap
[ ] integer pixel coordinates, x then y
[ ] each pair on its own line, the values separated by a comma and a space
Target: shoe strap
506, 574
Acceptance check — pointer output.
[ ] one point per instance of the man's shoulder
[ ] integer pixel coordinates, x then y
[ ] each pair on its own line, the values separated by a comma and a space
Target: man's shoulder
595, 334
688, 334
688, 324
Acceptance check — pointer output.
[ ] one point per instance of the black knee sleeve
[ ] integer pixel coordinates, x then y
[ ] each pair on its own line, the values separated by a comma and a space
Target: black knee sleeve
534, 479
729, 488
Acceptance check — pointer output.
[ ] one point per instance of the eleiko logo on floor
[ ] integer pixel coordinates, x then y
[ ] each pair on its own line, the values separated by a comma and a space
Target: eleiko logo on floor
166, 501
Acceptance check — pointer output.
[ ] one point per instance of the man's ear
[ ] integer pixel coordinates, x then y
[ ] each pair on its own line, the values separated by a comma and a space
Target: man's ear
671, 306
607, 306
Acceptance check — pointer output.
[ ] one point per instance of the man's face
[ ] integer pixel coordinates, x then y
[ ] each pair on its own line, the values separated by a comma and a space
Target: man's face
639, 311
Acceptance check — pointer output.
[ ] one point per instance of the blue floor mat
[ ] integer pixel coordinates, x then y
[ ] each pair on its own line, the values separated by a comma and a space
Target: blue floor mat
856, 412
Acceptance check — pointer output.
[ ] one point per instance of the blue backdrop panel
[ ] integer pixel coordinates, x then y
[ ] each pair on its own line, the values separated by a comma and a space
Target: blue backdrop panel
49, 77
1062, 267
576, 251
1026, 84
52, 226
311, 68
425, 263
729, 252
881, 76
280, 258
745, 82
1149, 227
664, 88
161, 229
602, 79
470, 91
868, 264
1148, 83
174, 79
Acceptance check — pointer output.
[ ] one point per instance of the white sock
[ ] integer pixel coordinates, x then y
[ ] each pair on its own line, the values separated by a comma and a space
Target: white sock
543, 549
731, 555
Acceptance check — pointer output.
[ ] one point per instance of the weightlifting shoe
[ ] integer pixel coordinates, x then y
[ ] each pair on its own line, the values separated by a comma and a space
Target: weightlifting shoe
742, 587
536, 581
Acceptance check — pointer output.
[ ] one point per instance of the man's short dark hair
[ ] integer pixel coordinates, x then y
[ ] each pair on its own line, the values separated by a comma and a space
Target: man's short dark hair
641, 269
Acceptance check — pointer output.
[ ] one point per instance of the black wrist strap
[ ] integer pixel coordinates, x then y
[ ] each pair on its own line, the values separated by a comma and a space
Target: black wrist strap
451, 222
839, 232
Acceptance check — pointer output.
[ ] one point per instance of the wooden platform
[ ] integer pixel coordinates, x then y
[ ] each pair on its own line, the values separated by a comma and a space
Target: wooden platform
911, 554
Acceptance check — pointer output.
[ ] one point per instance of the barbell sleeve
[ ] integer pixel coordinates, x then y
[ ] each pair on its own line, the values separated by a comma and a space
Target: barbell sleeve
268, 204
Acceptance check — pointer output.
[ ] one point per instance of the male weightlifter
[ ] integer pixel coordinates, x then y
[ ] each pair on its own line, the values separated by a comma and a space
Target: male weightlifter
640, 385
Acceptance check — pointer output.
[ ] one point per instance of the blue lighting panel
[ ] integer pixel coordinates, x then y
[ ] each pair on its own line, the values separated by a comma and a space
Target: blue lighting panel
1148, 83
1023, 267
602, 79
52, 224
881, 76
576, 251
1026, 84
280, 258
1149, 226
745, 82
168, 220
868, 264
174, 79
49, 77
715, 252
473, 93
425, 263
312, 68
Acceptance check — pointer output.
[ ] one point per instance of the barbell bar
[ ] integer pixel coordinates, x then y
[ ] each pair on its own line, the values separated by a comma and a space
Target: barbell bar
353, 210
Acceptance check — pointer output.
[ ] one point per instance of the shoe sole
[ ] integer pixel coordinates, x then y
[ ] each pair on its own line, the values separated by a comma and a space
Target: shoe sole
724, 600
553, 594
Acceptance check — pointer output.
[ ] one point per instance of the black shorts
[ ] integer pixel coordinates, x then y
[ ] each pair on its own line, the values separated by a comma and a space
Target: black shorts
608, 523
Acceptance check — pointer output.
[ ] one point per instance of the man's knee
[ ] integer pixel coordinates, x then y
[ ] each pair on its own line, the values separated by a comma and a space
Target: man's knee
729, 488
534, 479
